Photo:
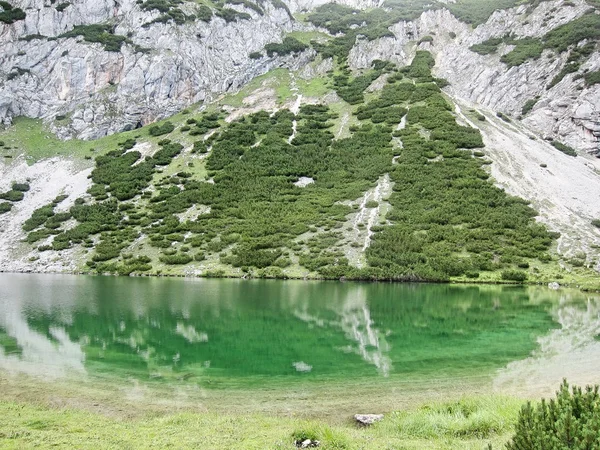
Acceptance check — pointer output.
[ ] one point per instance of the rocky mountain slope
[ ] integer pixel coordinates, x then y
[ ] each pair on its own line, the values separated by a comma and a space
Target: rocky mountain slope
293, 135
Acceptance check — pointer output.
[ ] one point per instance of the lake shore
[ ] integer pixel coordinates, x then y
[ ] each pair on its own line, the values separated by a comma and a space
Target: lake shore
46, 414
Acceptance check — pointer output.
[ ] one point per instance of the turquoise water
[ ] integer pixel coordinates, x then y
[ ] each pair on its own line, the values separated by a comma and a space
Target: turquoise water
238, 333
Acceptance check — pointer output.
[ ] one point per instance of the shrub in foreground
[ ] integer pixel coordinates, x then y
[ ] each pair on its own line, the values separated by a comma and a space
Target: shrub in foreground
571, 421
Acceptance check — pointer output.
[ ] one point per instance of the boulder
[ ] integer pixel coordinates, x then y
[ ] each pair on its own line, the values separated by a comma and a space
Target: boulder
367, 419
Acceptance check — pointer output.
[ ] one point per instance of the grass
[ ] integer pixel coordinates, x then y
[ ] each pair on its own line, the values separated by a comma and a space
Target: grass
32, 137
468, 423
307, 36
315, 87
278, 79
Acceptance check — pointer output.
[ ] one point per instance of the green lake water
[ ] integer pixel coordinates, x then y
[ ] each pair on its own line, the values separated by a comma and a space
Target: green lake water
241, 334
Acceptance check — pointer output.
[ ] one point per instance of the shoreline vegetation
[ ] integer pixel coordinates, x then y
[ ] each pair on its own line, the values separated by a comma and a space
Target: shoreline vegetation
471, 423
457, 422
43, 414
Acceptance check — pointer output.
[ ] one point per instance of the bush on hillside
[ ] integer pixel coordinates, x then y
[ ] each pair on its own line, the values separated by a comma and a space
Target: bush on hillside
159, 130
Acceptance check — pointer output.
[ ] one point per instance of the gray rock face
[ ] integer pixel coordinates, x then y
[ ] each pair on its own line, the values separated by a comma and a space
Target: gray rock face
104, 92
168, 67
568, 111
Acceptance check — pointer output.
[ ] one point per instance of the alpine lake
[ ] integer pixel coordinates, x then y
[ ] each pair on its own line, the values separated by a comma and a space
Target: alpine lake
296, 348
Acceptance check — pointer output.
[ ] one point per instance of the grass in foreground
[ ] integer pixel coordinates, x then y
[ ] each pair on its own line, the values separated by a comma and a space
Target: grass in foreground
470, 423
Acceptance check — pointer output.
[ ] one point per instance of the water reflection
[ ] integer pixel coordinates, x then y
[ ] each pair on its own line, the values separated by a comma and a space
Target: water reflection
354, 319
571, 351
222, 333
24, 349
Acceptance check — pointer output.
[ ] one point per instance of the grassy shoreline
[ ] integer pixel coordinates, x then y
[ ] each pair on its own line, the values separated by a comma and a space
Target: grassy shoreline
28, 426
45, 414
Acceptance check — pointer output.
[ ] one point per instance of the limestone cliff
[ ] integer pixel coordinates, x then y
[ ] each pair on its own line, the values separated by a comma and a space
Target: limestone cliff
164, 67
568, 111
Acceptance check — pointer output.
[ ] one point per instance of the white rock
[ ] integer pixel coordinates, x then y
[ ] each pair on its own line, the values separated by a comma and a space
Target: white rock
368, 419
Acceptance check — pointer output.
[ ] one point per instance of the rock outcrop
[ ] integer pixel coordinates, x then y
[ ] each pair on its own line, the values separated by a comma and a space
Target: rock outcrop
568, 111
165, 68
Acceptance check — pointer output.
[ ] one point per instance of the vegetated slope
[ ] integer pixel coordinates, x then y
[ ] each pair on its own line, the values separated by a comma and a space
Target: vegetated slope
244, 212
537, 63
293, 175
90, 69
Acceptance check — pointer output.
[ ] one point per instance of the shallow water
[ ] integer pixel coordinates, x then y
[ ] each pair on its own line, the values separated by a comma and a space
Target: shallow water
242, 334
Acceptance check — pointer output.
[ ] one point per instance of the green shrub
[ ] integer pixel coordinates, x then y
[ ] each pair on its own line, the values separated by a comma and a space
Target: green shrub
231, 15
528, 106
5, 207
22, 187
204, 13
12, 196
62, 6
560, 39
592, 78
571, 420
255, 55
487, 47
567, 69
177, 259
248, 4
38, 217
525, 49
9, 15
101, 33
564, 148
514, 275
596, 223
160, 130
288, 46
503, 116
